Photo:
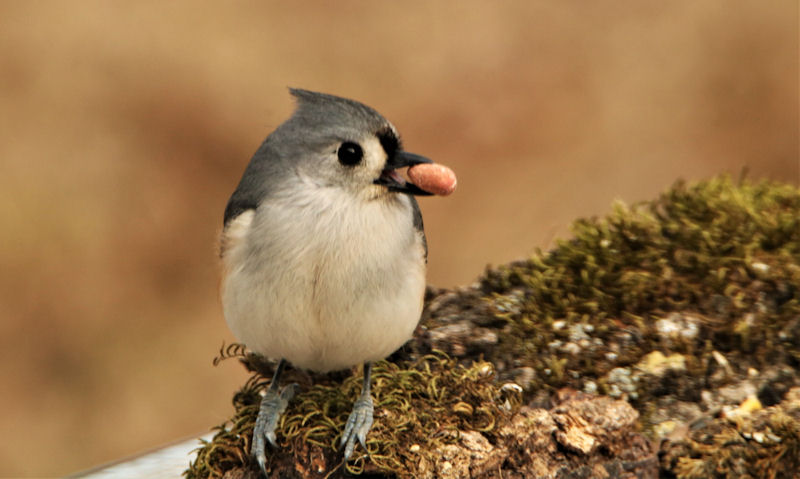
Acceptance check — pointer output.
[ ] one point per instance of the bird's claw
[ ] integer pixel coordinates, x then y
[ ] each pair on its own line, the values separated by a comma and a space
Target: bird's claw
273, 404
358, 425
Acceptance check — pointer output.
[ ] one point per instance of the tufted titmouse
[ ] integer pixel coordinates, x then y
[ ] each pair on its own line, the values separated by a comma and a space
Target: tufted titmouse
323, 251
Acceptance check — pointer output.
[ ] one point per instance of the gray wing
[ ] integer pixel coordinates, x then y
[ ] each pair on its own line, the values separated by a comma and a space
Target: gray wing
418, 224
254, 185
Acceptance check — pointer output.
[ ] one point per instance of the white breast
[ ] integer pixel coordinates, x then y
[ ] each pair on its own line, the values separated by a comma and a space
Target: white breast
324, 279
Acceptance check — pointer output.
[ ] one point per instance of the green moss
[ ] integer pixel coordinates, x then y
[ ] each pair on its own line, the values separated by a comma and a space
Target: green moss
727, 253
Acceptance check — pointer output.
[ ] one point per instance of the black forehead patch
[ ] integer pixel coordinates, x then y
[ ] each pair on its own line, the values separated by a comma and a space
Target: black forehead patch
389, 141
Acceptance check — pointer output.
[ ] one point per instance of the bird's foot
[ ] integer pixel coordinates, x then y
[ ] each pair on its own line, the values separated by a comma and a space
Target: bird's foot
358, 425
272, 406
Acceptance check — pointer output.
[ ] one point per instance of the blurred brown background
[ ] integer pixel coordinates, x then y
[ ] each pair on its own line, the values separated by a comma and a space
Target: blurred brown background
124, 126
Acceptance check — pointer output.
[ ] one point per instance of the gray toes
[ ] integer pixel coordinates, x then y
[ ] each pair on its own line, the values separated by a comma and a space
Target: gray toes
358, 425
273, 404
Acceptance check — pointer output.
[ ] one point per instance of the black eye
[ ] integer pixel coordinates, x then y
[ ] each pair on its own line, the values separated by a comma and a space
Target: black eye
350, 154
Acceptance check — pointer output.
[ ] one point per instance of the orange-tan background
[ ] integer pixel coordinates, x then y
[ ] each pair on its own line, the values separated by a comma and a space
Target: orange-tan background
124, 126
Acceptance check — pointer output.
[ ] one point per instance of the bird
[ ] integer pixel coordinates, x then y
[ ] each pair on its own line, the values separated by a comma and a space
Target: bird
324, 253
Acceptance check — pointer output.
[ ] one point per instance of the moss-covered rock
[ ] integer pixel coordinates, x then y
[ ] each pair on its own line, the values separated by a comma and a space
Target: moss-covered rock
419, 408
686, 306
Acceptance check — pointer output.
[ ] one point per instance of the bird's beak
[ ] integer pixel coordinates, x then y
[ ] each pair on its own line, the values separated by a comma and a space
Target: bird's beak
393, 181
